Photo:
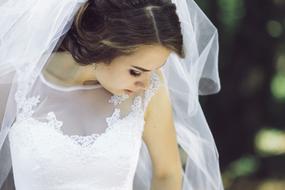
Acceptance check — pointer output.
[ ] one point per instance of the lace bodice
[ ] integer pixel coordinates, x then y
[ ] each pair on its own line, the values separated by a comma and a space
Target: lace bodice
53, 148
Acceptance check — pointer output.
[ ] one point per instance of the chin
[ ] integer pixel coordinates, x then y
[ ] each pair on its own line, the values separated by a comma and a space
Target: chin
118, 92
121, 92
128, 92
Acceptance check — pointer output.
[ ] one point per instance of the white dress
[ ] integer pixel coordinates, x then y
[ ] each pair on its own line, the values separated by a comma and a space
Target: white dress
78, 138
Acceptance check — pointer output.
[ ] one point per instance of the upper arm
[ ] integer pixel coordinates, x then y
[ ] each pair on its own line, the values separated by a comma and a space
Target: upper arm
160, 135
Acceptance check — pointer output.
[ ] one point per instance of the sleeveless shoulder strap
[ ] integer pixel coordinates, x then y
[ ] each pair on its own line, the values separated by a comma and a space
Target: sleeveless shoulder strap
151, 91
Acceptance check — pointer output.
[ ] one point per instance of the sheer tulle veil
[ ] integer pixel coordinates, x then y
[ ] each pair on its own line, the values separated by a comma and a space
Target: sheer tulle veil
30, 31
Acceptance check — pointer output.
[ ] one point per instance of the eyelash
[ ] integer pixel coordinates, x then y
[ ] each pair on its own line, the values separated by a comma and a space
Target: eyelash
134, 73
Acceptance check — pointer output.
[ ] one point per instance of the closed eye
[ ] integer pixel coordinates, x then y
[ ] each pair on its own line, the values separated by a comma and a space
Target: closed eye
134, 73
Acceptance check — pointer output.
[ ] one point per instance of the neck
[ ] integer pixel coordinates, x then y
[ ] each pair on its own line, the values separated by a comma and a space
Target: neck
63, 68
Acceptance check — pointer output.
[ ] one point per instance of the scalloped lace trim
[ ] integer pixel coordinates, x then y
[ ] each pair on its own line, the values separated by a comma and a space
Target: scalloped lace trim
138, 107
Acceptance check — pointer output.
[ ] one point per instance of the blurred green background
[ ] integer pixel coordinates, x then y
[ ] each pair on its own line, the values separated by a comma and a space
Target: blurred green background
247, 117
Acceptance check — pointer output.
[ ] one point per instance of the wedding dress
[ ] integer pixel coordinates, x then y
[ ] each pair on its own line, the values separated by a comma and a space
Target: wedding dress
58, 137
93, 144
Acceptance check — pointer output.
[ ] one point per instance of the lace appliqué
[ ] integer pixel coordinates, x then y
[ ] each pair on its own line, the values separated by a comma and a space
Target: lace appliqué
83, 141
53, 122
27, 111
114, 118
154, 86
26, 77
87, 141
118, 99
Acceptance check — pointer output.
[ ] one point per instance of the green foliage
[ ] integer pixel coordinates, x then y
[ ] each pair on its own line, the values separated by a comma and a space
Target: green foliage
278, 86
231, 13
270, 142
274, 28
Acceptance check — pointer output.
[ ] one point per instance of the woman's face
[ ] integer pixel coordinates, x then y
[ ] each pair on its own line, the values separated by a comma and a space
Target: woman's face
130, 74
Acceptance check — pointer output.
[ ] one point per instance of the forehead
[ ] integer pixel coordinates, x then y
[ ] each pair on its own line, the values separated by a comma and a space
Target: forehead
147, 56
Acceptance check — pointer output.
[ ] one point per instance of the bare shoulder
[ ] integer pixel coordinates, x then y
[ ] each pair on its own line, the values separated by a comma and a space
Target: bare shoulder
159, 99
159, 133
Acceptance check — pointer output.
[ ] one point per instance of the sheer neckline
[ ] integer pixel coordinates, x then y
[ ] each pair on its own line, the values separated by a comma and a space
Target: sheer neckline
68, 88
113, 121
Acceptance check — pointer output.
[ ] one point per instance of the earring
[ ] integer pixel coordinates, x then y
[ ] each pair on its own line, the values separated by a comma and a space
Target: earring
94, 65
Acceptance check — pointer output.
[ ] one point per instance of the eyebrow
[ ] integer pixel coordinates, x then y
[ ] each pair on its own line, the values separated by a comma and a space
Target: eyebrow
143, 69
140, 68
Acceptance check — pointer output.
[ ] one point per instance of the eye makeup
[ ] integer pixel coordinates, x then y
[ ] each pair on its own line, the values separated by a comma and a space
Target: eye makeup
134, 73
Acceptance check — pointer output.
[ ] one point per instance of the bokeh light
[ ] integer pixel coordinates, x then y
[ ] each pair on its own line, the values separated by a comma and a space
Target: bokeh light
242, 167
270, 141
272, 184
274, 28
278, 86
232, 11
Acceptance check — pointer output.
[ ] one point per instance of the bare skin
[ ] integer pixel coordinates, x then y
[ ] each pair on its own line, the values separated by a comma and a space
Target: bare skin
122, 74
133, 73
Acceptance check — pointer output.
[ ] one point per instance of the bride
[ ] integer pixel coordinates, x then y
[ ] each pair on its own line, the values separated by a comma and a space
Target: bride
103, 94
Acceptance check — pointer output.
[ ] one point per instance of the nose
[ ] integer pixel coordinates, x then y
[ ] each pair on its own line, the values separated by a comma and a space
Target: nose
142, 84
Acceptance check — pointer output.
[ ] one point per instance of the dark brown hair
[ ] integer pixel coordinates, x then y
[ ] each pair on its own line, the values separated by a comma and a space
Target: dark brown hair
105, 29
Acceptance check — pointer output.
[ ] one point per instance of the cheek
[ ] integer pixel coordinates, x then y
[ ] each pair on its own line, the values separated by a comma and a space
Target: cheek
120, 80
125, 82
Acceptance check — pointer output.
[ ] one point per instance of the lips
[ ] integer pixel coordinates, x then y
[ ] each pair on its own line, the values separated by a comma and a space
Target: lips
129, 91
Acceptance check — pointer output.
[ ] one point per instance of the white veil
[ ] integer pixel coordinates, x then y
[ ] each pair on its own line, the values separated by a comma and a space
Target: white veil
30, 31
